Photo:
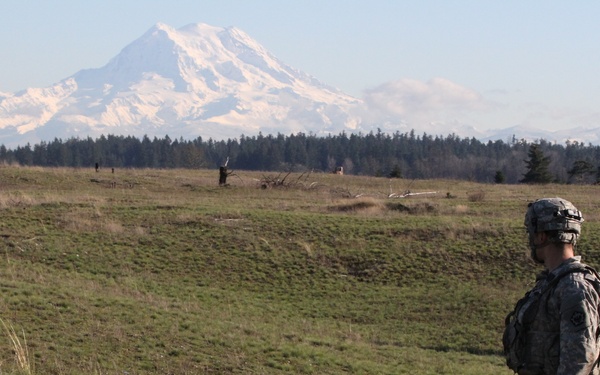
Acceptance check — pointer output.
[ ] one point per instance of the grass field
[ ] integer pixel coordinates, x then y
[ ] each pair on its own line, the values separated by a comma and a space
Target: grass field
165, 272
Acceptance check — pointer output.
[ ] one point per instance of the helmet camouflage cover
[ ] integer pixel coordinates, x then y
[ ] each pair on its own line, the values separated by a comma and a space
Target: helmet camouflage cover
554, 214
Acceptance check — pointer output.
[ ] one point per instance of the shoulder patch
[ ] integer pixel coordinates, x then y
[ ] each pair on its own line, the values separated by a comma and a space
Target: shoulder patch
578, 318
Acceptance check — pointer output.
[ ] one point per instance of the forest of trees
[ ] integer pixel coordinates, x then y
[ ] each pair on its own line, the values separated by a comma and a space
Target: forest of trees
405, 155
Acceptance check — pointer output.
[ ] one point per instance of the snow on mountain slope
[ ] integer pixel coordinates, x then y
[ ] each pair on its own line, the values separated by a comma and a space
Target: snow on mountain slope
33, 107
531, 134
214, 82
198, 80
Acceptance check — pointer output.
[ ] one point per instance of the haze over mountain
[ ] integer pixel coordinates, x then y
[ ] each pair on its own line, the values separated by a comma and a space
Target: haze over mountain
205, 81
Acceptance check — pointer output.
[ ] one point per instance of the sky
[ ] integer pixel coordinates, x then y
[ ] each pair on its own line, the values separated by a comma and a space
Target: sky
488, 64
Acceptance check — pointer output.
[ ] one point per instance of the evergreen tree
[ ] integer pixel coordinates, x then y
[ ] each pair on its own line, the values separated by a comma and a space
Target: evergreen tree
400, 154
537, 167
396, 172
24, 155
499, 178
581, 169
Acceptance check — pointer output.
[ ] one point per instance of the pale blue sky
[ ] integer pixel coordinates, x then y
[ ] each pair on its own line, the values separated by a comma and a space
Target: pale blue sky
492, 64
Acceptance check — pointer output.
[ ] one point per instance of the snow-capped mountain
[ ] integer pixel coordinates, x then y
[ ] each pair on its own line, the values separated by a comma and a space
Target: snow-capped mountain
219, 83
198, 80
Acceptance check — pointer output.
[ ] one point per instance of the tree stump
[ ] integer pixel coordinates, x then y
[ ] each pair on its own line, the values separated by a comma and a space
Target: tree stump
223, 176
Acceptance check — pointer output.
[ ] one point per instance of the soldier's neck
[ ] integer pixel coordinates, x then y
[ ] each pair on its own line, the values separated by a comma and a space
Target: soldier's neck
556, 254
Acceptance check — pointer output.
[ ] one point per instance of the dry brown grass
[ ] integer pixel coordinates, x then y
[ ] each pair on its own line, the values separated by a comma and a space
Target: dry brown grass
359, 204
112, 226
476, 196
10, 200
20, 348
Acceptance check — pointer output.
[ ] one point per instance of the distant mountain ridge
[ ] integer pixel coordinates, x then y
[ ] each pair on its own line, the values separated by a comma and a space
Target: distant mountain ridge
201, 80
530, 134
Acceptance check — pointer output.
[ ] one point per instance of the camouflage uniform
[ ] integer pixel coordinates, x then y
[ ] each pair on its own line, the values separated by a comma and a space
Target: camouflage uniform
562, 324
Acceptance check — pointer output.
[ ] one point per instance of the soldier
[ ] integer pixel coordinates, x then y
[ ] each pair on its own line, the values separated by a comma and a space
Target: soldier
554, 329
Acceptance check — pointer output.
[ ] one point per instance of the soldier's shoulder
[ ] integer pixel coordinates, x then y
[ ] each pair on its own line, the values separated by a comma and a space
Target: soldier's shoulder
575, 283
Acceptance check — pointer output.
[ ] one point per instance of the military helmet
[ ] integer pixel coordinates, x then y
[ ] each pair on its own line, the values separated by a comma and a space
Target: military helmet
554, 214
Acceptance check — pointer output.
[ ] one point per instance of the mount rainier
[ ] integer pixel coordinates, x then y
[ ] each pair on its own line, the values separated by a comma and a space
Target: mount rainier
195, 81
209, 82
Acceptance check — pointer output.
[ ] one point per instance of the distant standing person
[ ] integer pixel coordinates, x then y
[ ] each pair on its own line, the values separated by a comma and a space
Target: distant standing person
554, 328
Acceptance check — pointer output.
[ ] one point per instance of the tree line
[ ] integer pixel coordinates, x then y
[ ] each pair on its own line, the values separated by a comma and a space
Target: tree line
405, 155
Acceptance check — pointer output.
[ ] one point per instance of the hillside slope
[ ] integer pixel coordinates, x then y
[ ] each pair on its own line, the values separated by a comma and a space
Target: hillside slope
161, 271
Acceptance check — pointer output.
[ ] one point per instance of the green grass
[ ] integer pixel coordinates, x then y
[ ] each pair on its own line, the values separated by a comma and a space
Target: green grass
167, 273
